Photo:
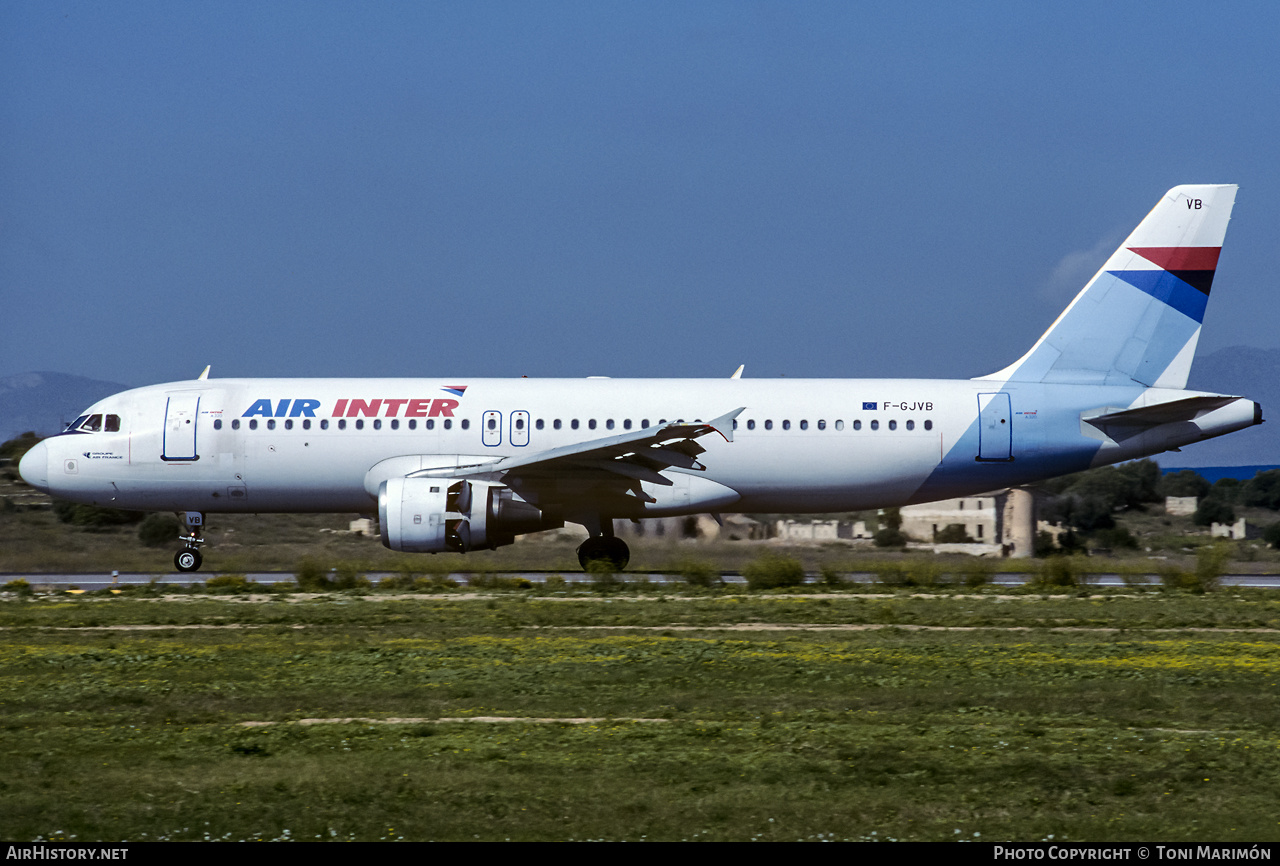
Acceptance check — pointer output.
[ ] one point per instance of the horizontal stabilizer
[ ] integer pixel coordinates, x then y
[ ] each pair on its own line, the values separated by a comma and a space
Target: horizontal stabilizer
1130, 422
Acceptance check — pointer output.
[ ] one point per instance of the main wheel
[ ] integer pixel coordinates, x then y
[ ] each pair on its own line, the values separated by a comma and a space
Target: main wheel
611, 552
188, 559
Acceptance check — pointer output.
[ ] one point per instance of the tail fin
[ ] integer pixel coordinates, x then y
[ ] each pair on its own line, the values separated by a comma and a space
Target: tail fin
1138, 319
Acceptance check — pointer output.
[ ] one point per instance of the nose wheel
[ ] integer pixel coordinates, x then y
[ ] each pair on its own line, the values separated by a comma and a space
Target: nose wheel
189, 558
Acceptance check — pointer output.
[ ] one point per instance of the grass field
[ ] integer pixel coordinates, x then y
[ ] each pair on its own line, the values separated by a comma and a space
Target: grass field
664, 715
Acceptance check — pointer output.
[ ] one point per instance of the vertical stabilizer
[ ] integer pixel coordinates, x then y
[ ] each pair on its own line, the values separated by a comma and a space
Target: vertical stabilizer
1138, 319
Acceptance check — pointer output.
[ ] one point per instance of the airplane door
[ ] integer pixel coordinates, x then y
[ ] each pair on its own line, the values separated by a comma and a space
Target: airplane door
520, 428
995, 439
491, 428
180, 414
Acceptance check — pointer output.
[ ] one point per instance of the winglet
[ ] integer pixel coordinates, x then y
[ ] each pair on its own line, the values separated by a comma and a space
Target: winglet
737, 374
724, 424
205, 374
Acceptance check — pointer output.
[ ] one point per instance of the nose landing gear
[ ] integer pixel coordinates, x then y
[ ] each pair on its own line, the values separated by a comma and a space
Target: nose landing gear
189, 558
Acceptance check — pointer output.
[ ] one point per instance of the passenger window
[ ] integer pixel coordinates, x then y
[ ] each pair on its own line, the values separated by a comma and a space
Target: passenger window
839, 425
253, 423
359, 423
235, 423
786, 425
288, 424
591, 425
875, 425
626, 424
644, 423
431, 423
466, 423
804, 425
377, 423
324, 423
857, 425
574, 424
271, 424
217, 423
556, 424
893, 425
413, 423
911, 425
822, 425
342, 423
448, 424
520, 424
395, 423
493, 423
928, 425
539, 424
768, 425
608, 425
751, 424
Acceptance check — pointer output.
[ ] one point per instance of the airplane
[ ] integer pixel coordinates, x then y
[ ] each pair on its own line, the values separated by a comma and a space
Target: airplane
458, 464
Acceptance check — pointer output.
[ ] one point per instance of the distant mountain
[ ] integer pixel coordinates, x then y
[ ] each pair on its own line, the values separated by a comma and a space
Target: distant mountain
45, 402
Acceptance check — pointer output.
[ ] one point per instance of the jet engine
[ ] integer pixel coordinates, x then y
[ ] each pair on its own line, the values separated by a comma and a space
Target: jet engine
435, 515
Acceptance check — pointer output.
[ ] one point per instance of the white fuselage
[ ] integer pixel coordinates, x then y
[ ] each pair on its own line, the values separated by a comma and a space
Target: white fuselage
815, 445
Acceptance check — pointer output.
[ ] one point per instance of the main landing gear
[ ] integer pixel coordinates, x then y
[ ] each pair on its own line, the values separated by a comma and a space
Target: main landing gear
189, 558
605, 551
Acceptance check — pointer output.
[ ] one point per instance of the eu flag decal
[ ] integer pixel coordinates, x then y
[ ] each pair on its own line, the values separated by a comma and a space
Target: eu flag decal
868, 407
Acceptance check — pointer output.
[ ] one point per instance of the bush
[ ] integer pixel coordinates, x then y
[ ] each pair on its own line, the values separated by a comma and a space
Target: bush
1184, 483
889, 537
603, 575
19, 586
158, 530
1214, 510
697, 572
1211, 562
1271, 535
1119, 538
311, 575
977, 573
771, 571
91, 516
232, 583
1058, 571
831, 575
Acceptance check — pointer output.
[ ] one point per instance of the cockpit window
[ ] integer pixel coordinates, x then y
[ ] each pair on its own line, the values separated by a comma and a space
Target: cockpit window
97, 423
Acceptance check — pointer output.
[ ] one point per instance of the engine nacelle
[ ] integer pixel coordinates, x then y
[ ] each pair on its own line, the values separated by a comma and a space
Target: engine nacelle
434, 515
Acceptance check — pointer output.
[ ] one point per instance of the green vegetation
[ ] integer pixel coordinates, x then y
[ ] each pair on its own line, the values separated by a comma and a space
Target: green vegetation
1116, 716
771, 571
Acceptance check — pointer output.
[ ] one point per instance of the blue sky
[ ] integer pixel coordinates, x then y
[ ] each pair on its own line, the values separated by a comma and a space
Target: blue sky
569, 189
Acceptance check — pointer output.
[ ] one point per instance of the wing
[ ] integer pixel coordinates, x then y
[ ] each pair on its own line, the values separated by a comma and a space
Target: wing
605, 468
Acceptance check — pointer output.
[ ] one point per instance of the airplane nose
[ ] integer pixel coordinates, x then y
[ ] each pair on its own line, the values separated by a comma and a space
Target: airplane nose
34, 467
